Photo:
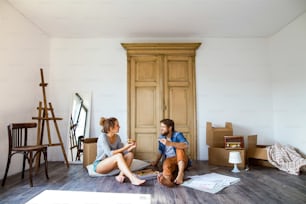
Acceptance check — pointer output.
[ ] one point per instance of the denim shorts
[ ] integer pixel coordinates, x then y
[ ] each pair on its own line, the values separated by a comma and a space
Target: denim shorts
95, 164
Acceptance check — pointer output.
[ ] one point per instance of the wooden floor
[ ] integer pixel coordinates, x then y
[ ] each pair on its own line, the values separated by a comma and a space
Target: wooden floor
257, 185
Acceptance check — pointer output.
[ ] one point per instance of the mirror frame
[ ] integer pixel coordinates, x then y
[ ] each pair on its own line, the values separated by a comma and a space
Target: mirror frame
81, 101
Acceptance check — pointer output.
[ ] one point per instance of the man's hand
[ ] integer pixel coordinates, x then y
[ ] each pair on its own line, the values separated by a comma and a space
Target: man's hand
179, 145
164, 141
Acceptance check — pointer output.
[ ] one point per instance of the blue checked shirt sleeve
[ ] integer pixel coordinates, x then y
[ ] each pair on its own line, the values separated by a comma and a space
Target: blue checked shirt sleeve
161, 147
179, 137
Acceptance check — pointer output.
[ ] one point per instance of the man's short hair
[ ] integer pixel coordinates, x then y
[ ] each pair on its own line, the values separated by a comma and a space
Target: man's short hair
169, 123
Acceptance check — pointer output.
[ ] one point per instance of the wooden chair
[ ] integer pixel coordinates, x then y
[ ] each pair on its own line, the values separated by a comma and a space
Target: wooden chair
18, 136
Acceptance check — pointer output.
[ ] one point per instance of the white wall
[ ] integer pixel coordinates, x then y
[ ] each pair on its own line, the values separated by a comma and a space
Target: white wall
233, 83
97, 66
23, 50
288, 63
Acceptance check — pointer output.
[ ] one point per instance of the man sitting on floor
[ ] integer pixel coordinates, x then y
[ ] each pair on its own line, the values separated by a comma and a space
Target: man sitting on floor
172, 146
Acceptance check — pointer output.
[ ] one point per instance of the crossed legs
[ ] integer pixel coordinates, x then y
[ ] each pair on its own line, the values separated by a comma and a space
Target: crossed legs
128, 160
121, 162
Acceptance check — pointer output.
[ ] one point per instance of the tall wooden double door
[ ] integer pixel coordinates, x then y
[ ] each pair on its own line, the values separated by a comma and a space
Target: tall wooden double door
161, 84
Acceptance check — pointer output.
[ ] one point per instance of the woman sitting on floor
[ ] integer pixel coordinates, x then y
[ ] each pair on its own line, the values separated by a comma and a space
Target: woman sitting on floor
112, 154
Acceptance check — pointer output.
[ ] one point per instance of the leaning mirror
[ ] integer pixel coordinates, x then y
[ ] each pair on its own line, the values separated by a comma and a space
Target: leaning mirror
79, 125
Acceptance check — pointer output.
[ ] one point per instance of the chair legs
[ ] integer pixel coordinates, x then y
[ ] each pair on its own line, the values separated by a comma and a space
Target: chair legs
46, 162
6, 169
27, 156
23, 164
30, 160
44, 151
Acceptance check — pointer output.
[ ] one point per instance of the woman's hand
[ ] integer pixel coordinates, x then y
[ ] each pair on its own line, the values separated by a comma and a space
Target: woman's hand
129, 147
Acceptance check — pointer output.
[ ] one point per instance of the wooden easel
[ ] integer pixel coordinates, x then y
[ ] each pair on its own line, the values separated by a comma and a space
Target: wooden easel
44, 118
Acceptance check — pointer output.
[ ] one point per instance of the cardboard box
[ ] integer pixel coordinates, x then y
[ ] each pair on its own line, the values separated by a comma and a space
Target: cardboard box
256, 151
90, 150
257, 154
219, 156
215, 135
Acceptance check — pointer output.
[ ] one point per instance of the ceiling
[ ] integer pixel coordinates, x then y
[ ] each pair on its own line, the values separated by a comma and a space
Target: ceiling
160, 18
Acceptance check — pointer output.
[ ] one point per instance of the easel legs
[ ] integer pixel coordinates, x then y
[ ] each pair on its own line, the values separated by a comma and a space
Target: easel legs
43, 116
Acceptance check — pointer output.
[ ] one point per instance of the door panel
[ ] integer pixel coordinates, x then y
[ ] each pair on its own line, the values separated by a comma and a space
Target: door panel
178, 106
177, 70
146, 146
145, 107
146, 69
179, 97
145, 104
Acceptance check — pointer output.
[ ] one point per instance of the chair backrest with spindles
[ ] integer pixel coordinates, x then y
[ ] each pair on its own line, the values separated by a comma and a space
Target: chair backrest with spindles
18, 134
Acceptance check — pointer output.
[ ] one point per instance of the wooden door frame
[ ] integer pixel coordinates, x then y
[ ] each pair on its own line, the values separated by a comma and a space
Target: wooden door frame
184, 49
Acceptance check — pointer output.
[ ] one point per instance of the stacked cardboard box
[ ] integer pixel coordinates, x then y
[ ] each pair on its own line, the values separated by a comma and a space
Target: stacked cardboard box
217, 154
215, 135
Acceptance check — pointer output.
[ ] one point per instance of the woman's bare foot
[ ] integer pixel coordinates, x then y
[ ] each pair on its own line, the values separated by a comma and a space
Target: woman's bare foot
164, 181
136, 181
120, 178
179, 179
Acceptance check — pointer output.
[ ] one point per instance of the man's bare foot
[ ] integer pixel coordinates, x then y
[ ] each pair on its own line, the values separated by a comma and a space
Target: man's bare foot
179, 179
120, 178
136, 181
164, 181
